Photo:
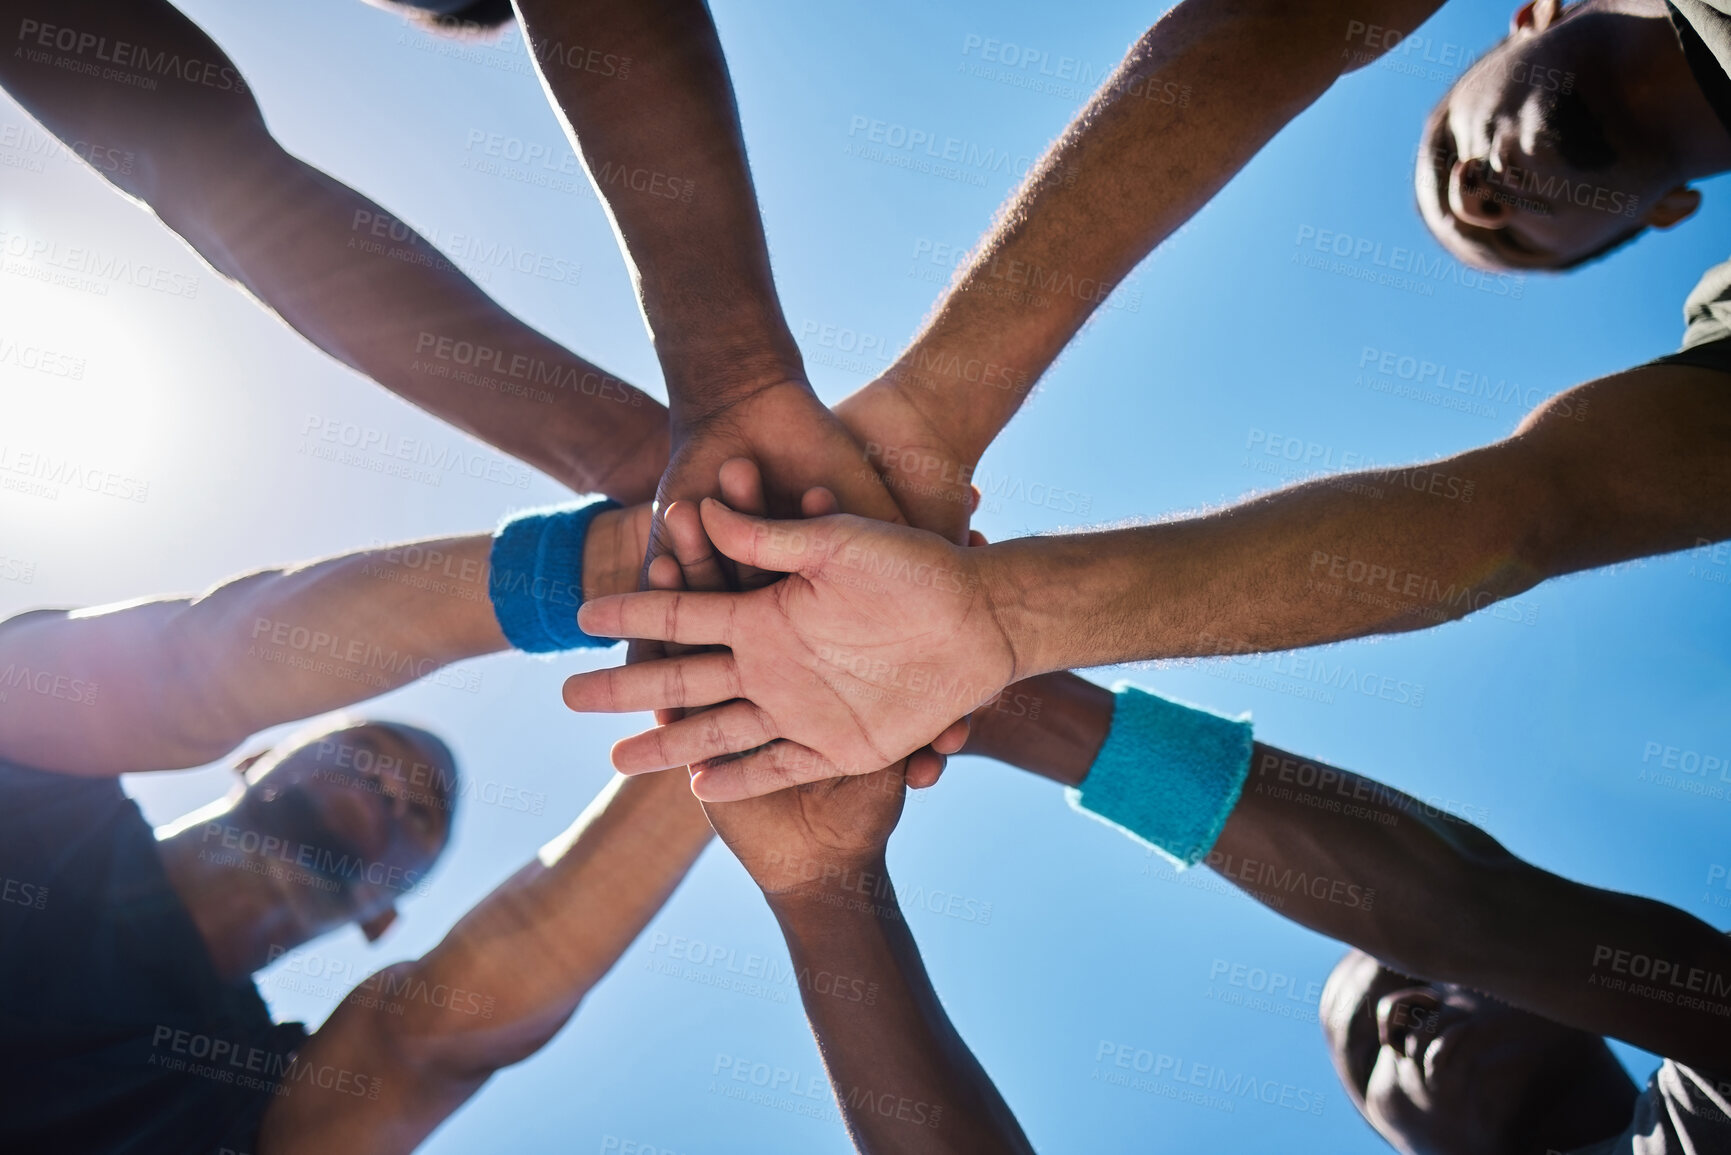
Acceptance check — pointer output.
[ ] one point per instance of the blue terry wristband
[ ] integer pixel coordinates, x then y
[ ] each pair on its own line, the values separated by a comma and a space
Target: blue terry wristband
537, 577
1168, 775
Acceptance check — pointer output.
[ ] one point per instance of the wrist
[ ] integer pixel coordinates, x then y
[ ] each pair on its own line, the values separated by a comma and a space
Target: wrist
1053, 725
706, 377
831, 891
1001, 571
613, 551
535, 568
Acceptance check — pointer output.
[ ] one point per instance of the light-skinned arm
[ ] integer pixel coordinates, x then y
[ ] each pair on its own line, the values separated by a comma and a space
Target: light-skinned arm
500, 985
1194, 99
349, 276
167, 683
1420, 889
883, 635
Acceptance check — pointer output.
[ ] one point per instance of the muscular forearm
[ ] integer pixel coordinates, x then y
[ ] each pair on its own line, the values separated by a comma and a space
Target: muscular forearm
1194, 99
354, 280
1313, 564
292, 643
177, 682
1409, 882
662, 143
372, 292
903, 1078
533, 948
1627, 466
503, 981
1320, 562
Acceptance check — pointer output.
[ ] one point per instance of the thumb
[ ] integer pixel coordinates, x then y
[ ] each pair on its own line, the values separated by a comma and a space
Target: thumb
782, 546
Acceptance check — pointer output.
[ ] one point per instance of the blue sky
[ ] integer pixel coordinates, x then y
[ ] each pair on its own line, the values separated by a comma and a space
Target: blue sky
1048, 936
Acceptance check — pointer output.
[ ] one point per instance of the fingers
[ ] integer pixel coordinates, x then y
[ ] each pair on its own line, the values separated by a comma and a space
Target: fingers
976, 538
925, 767
692, 680
663, 573
690, 545
742, 486
693, 619
729, 729
954, 737
819, 501
741, 483
782, 546
775, 767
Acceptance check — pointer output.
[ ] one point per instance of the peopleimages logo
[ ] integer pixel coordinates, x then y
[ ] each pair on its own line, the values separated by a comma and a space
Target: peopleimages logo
1396, 266
327, 864
1220, 1088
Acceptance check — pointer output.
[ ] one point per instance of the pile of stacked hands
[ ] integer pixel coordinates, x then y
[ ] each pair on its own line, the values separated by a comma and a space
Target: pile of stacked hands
816, 627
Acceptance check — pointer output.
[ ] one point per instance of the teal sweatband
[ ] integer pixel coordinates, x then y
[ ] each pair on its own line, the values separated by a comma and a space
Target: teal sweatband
537, 577
1168, 775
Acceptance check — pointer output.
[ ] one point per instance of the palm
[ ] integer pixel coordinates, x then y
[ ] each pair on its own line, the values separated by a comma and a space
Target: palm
873, 654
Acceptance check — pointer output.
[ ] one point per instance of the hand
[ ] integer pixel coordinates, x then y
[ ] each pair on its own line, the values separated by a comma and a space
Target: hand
796, 444
613, 551
882, 636
812, 837
931, 481
817, 837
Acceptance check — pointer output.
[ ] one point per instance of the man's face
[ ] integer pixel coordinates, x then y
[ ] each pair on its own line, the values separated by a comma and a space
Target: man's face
360, 813
1531, 165
1440, 1070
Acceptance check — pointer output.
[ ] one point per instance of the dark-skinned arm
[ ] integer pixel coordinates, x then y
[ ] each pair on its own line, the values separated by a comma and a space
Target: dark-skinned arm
662, 143
1425, 892
903, 1078
346, 274
501, 984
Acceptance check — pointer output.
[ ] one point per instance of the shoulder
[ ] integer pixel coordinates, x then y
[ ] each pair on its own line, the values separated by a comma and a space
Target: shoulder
1706, 324
1683, 1109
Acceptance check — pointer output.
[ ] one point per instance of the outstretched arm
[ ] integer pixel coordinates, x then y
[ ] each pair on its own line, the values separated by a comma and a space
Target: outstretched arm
168, 683
502, 983
903, 1077
1195, 98
1422, 890
662, 143
1627, 466
352, 278
883, 634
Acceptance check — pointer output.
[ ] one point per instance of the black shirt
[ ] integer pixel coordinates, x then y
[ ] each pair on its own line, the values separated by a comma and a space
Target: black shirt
116, 1032
1706, 324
